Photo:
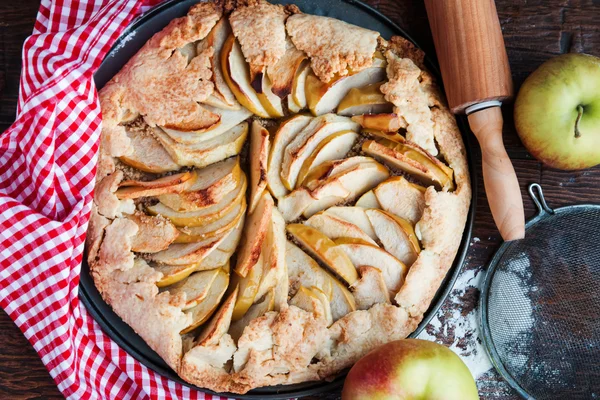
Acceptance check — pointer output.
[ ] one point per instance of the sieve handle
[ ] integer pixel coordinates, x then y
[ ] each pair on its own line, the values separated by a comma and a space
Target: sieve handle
537, 195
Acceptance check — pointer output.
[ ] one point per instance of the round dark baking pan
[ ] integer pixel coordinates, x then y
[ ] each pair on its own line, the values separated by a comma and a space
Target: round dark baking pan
131, 40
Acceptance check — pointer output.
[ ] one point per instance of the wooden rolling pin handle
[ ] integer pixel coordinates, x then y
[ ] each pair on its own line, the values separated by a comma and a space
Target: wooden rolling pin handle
501, 184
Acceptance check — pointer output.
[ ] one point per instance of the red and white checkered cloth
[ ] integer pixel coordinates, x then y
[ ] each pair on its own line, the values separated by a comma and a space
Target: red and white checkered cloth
47, 167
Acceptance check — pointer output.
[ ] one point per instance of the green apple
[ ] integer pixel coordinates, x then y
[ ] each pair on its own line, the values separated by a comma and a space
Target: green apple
410, 369
557, 112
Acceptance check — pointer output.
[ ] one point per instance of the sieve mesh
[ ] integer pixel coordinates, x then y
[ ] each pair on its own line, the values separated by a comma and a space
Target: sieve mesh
543, 306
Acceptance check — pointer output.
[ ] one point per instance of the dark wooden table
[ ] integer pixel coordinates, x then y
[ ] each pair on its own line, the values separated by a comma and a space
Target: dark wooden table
534, 31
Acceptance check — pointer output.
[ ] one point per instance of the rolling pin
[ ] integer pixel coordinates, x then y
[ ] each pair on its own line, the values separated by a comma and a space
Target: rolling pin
477, 78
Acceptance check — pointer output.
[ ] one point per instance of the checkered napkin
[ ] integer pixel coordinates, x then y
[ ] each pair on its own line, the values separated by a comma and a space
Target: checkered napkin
47, 167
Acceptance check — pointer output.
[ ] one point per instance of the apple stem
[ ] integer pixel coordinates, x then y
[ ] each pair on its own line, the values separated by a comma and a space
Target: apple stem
579, 114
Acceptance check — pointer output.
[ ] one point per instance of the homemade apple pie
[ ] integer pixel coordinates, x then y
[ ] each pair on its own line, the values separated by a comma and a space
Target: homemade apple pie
277, 194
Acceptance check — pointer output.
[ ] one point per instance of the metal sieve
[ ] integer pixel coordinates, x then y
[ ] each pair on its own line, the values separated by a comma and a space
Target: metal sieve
540, 304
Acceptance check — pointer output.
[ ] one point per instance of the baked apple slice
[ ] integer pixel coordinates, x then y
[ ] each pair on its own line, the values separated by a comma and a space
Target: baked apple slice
248, 288
343, 301
229, 119
412, 159
186, 253
208, 188
304, 271
259, 149
388, 122
270, 101
325, 97
275, 272
376, 133
324, 193
402, 198
297, 98
356, 216
393, 270
396, 234
219, 227
147, 154
287, 131
333, 147
368, 200
314, 301
325, 250
205, 215
257, 310
333, 167
307, 141
216, 39
176, 183
204, 309
219, 324
221, 255
208, 152
365, 100
255, 233
174, 273
335, 228
195, 287
237, 75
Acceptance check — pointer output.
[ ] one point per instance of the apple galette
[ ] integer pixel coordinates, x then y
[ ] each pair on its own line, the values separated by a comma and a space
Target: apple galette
277, 194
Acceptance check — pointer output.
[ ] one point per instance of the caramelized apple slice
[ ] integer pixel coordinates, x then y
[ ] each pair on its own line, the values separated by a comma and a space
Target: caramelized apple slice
324, 97
208, 152
255, 311
325, 250
401, 198
412, 159
237, 76
195, 287
287, 131
148, 154
396, 234
334, 147
365, 100
335, 228
307, 141
169, 184
205, 215
219, 324
255, 233
208, 188
393, 270
259, 150
380, 122
219, 227
203, 310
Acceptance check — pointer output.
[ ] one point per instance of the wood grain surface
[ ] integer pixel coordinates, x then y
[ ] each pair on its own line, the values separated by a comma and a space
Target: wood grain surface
534, 30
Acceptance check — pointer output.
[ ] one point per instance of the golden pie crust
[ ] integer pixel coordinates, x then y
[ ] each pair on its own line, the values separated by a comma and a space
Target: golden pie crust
163, 87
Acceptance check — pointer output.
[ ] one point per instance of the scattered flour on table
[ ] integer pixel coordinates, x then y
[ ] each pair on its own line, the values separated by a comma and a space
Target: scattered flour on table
122, 43
452, 323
